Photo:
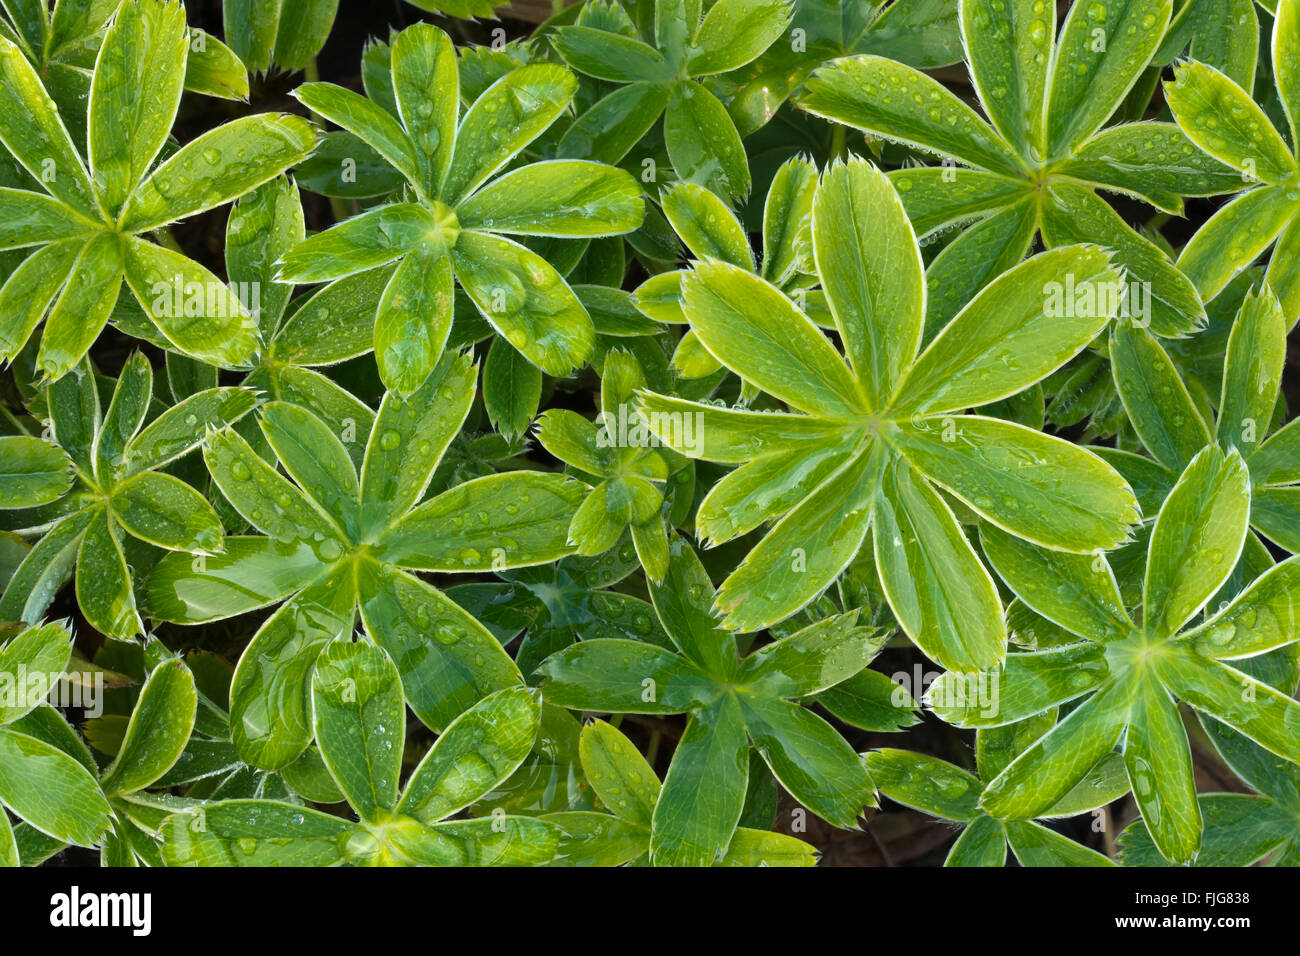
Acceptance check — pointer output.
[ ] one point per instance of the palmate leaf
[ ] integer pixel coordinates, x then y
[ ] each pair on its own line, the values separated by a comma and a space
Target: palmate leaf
938, 788
862, 423
120, 493
447, 161
1131, 676
1046, 101
731, 703
119, 194
660, 75
360, 725
341, 540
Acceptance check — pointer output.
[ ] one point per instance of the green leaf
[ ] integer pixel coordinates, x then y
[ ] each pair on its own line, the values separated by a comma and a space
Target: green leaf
26, 295
1155, 293
703, 143
871, 271
1102, 50
1249, 706
562, 197
1076, 591
980, 254
360, 723
1222, 119
82, 309
371, 122
496, 522
443, 677
213, 69
302, 30
165, 511
512, 389
134, 93
734, 32
34, 219
270, 693
181, 428
158, 731
1009, 48
104, 581
812, 659
475, 754
925, 783
268, 501
525, 299
939, 591
608, 131
1153, 161
333, 325
409, 438
1252, 370
1240, 830
620, 776
427, 90
683, 600
704, 791
1035, 845
1197, 538
751, 327
51, 791
870, 701
35, 472
1159, 762
1234, 237
1157, 401
374, 238
250, 573
611, 56
36, 650
254, 833
982, 843
611, 675
510, 114
34, 133
500, 841
919, 111
805, 551
1026, 685
45, 569
1050, 768
707, 225
219, 166
316, 459
1036, 486
1015, 332
809, 759
223, 333
1258, 620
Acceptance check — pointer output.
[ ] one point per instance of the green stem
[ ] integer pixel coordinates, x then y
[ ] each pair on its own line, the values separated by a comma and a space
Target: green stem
839, 142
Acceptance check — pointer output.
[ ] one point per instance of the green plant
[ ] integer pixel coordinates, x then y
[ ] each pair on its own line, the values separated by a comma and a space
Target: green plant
494, 478
876, 430
90, 222
1034, 167
453, 228
664, 79
731, 701
1134, 670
